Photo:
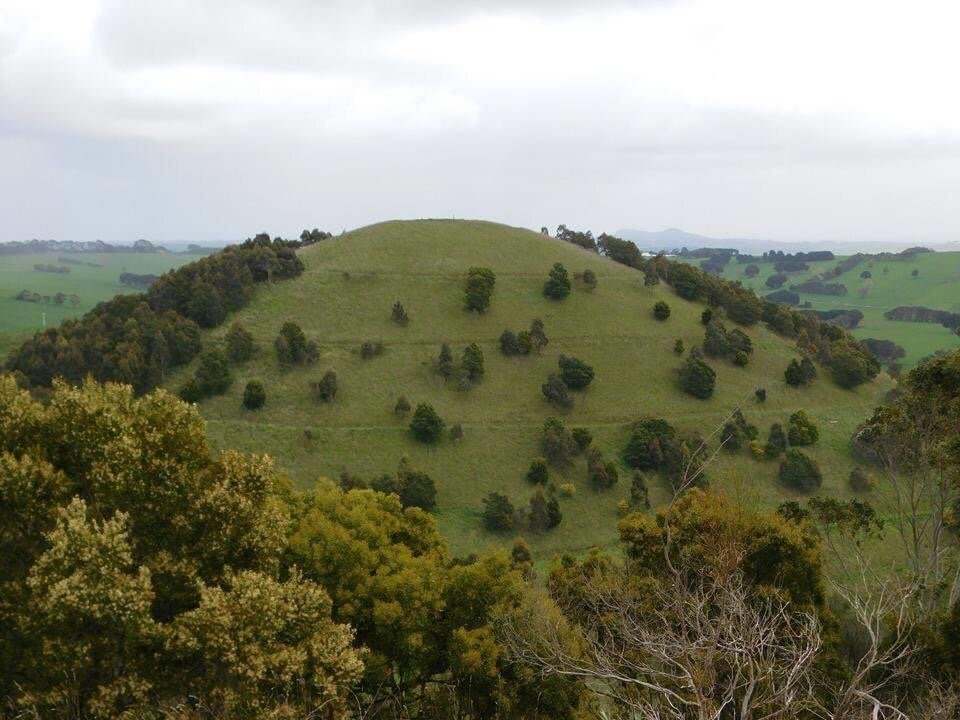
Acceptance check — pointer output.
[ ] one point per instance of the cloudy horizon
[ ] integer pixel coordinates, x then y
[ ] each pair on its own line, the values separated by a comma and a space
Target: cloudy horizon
205, 120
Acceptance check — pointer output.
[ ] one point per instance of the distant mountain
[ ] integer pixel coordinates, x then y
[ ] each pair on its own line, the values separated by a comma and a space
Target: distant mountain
72, 246
675, 238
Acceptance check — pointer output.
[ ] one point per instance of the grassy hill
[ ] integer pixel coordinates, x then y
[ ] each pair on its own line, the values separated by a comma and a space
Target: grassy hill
92, 283
937, 286
344, 298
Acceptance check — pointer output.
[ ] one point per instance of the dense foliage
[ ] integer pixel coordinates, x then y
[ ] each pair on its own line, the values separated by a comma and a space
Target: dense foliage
479, 289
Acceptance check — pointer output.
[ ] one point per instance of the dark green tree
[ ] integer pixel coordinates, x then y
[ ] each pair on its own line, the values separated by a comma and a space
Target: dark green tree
582, 437
326, 387
557, 443
254, 396
538, 335
557, 286
678, 346
479, 289
761, 394
444, 363
601, 474
556, 392
472, 362
799, 472
291, 345
402, 407
240, 343
697, 378
801, 430
497, 512
776, 441
575, 373
416, 488
538, 473
639, 495
509, 344
661, 311
590, 279
399, 314
426, 425
213, 373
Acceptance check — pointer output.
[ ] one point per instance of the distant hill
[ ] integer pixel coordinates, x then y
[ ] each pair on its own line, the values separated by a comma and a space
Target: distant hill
344, 299
33, 247
674, 238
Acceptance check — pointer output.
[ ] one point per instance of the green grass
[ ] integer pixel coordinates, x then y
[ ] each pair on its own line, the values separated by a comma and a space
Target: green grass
19, 320
936, 286
344, 298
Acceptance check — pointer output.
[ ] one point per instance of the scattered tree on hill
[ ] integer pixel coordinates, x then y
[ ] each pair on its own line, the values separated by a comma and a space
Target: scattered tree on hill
556, 442
866, 275
800, 373
402, 407
415, 487
556, 392
538, 473
678, 346
326, 388
538, 335
497, 512
590, 279
480, 283
254, 396
472, 362
777, 280
557, 286
851, 365
661, 311
715, 340
639, 494
751, 271
706, 316
914, 273
776, 441
509, 344
697, 378
801, 429
575, 373
859, 480
799, 472
444, 364
761, 394
544, 514
212, 377
650, 277
576, 237
426, 425
582, 437
240, 343
620, 250
292, 346
601, 474
399, 314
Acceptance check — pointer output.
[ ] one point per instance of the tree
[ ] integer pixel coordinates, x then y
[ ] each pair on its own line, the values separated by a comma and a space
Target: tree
472, 362
538, 473
661, 311
444, 364
402, 407
557, 286
582, 437
213, 375
524, 342
426, 425
648, 436
590, 279
291, 345
556, 392
538, 335
509, 344
479, 289
776, 441
799, 373
866, 275
914, 273
799, 472
716, 342
678, 346
706, 316
556, 442
539, 518
859, 480
760, 394
802, 430
575, 373
851, 364
602, 474
326, 388
399, 314
415, 487
254, 396
497, 512
240, 343
751, 271
697, 378
639, 495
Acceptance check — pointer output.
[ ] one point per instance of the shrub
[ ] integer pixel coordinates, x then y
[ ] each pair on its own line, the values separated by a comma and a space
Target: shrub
777, 280
213, 374
776, 441
556, 442
538, 335
190, 392
758, 450
556, 392
661, 311
402, 407
525, 342
601, 474
480, 282
799, 373
254, 396
706, 316
426, 425
557, 286
740, 358
697, 378
650, 278
240, 343
444, 364
644, 448
416, 488
497, 512
370, 349
914, 273
399, 314
544, 514
509, 344
740, 341
538, 473
575, 373
639, 494
326, 389
472, 361
291, 345
866, 275
860, 481
799, 472
464, 384
456, 432
590, 279
678, 347
582, 437
751, 271
567, 490
801, 430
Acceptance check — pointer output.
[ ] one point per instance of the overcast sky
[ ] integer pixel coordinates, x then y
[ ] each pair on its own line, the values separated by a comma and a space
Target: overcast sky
203, 120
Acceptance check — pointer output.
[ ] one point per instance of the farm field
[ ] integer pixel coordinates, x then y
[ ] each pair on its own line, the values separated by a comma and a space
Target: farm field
344, 298
19, 319
936, 285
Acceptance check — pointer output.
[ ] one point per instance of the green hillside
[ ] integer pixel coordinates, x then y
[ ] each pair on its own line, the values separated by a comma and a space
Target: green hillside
936, 285
91, 283
344, 298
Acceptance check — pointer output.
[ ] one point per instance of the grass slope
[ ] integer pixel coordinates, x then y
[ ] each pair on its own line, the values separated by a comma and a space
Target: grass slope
937, 286
344, 298
19, 320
